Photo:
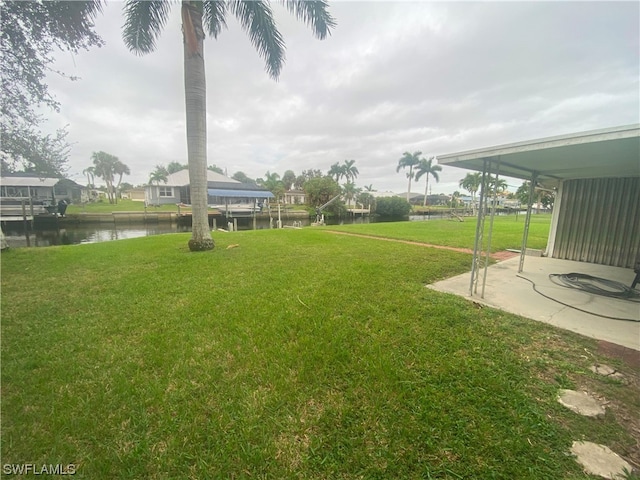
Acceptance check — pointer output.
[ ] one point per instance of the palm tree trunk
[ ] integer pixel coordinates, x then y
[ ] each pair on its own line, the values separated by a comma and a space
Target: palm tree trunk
195, 99
426, 189
409, 186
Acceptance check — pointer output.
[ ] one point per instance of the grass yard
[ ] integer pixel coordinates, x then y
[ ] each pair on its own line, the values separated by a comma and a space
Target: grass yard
507, 231
297, 354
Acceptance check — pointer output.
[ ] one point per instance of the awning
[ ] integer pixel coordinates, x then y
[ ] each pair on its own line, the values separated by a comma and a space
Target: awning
609, 152
216, 192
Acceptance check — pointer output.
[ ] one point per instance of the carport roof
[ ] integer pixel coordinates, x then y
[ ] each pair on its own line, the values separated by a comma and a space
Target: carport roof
609, 152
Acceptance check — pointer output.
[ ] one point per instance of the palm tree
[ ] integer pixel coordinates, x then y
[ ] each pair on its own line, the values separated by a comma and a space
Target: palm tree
143, 24
350, 171
426, 168
119, 169
104, 165
409, 160
350, 191
369, 188
337, 170
500, 184
272, 183
471, 183
160, 174
90, 173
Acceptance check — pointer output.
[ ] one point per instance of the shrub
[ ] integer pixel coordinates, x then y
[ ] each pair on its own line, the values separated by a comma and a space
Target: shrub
392, 207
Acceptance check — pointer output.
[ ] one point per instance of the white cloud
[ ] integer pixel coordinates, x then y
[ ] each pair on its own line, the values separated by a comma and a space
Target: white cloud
392, 77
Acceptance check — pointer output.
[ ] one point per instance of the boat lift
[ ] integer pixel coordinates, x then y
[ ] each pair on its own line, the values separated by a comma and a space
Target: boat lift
319, 215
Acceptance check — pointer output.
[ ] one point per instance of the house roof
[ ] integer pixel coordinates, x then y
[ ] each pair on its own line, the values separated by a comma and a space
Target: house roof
609, 152
23, 181
181, 178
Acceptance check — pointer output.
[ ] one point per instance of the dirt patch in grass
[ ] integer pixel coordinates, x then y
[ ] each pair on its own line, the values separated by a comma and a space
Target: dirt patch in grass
628, 355
499, 256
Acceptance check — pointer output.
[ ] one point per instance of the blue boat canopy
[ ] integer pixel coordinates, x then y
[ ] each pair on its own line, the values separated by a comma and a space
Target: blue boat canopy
217, 192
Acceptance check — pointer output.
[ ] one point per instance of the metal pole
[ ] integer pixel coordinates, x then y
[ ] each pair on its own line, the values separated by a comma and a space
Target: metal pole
493, 213
476, 241
25, 224
527, 221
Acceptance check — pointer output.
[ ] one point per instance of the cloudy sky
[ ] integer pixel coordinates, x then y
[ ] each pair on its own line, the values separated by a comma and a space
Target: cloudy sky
393, 77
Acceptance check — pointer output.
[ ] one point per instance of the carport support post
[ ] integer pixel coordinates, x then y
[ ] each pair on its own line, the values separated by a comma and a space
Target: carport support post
476, 243
493, 213
527, 221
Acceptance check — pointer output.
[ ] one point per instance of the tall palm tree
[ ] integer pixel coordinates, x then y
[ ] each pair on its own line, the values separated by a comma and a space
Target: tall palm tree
409, 160
350, 171
426, 168
143, 24
104, 165
119, 169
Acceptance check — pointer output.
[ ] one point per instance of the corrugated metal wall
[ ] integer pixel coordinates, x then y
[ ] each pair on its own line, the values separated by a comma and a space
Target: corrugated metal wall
599, 221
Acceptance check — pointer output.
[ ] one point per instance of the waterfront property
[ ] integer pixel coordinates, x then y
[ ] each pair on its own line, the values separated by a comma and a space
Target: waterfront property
224, 193
41, 189
24, 196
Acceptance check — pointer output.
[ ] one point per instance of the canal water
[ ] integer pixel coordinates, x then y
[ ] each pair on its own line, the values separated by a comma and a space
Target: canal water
100, 232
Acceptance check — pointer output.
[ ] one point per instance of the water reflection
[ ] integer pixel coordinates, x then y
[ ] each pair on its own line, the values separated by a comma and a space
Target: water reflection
106, 232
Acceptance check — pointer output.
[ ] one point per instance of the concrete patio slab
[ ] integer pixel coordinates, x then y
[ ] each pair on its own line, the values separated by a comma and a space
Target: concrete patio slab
507, 291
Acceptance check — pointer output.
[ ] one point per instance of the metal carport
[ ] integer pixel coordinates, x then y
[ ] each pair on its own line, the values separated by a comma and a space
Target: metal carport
596, 176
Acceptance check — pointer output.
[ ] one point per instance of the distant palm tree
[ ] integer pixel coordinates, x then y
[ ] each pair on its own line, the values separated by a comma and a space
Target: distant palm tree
336, 171
90, 173
350, 191
160, 174
107, 166
350, 171
119, 169
409, 160
471, 183
426, 168
369, 188
144, 21
500, 184
272, 182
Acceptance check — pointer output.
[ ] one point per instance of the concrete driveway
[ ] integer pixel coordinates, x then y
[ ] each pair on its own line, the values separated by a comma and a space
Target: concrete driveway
508, 292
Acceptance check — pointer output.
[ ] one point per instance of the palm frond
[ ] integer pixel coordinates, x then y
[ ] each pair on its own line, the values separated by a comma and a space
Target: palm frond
213, 16
144, 20
257, 20
315, 13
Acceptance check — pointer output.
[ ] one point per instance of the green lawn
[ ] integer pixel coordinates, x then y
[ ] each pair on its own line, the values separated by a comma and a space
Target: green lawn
297, 354
507, 231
